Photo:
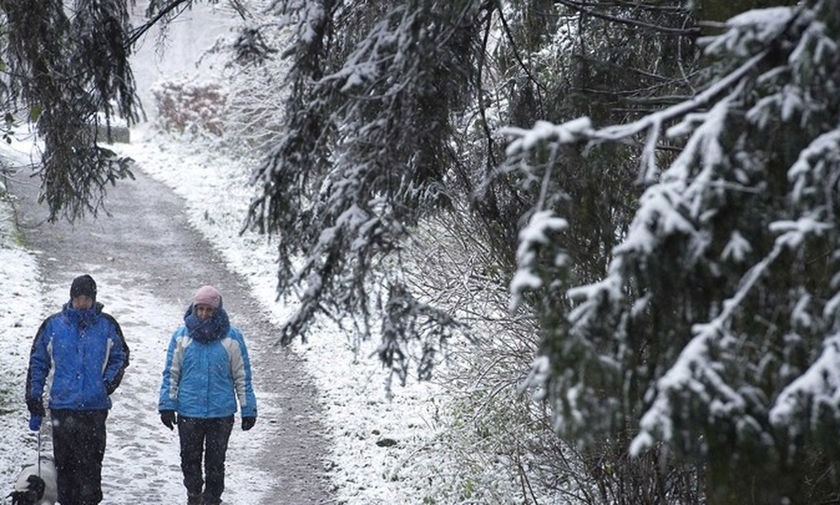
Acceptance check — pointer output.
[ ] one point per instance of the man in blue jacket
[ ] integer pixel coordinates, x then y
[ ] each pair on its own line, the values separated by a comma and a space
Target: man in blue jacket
85, 349
207, 372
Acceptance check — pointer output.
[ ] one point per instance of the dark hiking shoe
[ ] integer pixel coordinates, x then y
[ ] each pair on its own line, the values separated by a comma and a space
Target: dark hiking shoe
194, 499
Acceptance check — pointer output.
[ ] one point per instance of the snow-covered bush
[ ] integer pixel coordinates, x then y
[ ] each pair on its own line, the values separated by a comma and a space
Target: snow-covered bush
187, 106
256, 79
494, 443
481, 453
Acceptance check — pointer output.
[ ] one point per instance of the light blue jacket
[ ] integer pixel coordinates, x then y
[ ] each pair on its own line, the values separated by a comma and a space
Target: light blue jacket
87, 354
206, 378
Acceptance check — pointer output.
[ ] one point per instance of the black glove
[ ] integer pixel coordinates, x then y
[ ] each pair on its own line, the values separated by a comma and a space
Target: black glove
36, 407
168, 418
248, 423
110, 387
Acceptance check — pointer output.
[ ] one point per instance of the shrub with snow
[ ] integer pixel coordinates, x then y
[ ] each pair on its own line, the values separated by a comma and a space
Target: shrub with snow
195, 107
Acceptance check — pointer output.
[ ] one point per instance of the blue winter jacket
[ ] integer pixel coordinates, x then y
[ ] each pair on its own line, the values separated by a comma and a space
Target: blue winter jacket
87, 353
205, 375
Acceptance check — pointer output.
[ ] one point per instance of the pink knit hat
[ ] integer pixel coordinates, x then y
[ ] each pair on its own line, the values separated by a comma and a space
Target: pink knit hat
208, 295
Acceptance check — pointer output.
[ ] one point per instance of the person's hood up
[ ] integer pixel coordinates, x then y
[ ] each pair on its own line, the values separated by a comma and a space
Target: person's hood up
86, 316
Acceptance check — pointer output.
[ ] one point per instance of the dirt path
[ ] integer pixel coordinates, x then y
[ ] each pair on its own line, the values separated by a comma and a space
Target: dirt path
148, 261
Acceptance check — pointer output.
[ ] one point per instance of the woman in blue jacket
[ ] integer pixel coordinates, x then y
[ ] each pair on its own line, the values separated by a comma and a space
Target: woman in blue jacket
207, 372
85, 349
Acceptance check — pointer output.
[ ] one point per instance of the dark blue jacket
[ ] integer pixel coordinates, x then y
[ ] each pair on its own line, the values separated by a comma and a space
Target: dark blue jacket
87, 354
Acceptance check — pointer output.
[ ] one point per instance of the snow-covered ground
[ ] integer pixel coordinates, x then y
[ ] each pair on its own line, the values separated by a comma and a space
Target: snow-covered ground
20, 314
142, 459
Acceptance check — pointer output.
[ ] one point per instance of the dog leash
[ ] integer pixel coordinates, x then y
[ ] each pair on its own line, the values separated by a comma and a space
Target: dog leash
39, 451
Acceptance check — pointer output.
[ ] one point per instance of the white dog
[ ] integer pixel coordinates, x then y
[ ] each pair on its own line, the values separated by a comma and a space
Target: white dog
34, 489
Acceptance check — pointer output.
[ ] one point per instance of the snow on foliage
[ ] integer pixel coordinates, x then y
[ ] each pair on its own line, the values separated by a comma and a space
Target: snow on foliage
65, 68
186, 106
812, 392
543, 131
714, 327
531, 237
751, 29
357, 164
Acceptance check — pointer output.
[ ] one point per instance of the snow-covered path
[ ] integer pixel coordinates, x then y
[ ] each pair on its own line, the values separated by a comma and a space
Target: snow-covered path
147, 261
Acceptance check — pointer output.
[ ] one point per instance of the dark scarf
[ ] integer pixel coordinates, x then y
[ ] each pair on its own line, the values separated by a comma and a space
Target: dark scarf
210, 329
82, 318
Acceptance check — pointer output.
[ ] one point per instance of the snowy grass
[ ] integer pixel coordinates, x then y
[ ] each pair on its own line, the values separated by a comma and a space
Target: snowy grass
20, 314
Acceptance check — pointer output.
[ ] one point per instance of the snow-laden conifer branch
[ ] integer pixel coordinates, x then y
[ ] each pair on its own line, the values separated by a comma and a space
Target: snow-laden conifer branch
362, 158
70, 69
581, 129
714, 324
696, 372
812, 397
534, 235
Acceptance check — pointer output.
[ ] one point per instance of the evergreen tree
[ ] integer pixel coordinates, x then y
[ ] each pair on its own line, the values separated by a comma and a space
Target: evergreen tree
714, 327
68, 64
392, 118
364, 156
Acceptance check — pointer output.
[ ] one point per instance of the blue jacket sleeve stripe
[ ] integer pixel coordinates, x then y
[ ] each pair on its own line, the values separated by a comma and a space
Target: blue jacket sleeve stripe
242, 379
166, 402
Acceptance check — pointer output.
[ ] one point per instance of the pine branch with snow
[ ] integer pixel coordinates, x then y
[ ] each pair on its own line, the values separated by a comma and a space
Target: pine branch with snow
363, 155
70, 70
713, 328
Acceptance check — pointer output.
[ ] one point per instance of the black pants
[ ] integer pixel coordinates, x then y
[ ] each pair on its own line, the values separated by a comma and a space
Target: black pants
78, 448
208, 437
